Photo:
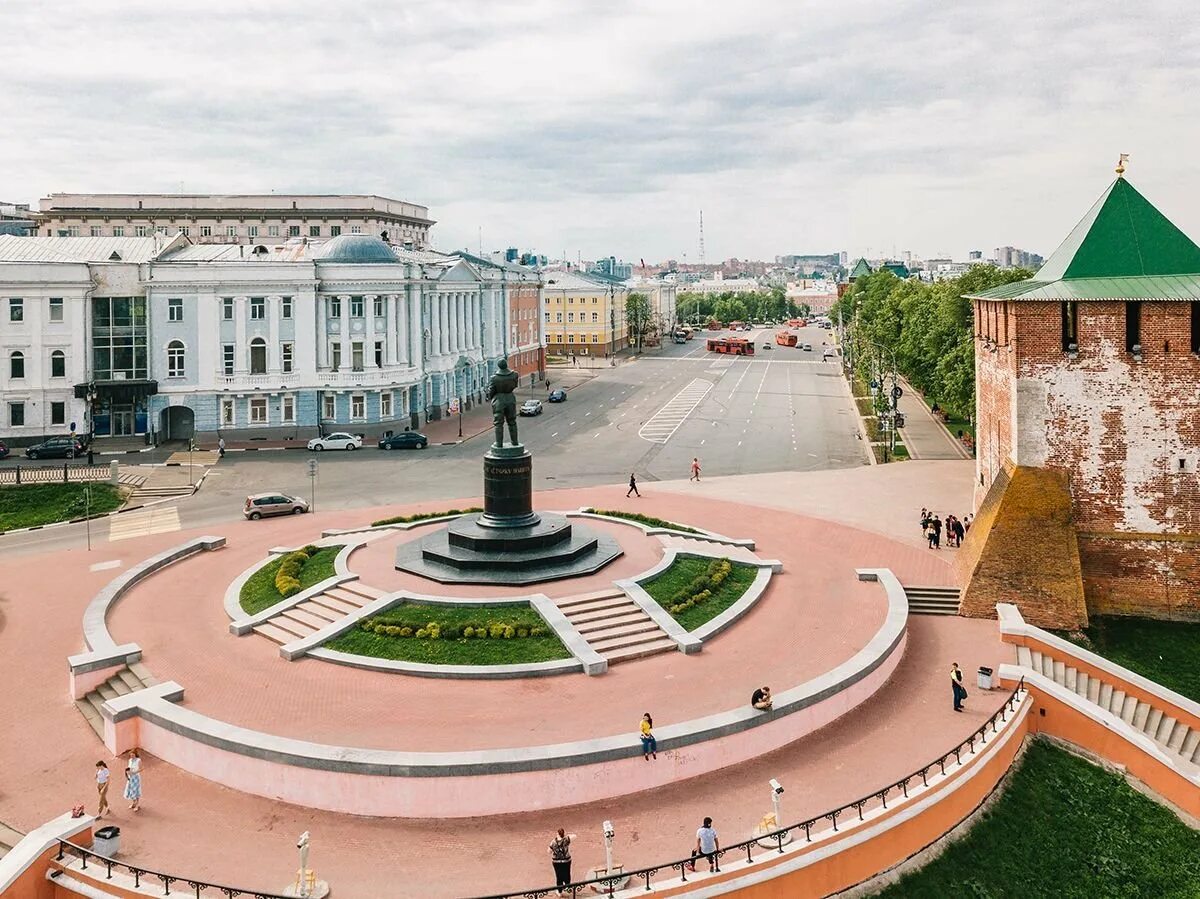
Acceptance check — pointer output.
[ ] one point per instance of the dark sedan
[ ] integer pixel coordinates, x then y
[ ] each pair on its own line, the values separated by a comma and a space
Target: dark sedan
56, 448
557, 396
404, 440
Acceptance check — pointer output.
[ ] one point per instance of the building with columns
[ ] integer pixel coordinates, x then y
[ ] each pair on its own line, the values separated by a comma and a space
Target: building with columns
170, 339
520, 289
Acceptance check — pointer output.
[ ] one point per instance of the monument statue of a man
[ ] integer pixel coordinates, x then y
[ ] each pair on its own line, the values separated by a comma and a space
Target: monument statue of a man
504, 404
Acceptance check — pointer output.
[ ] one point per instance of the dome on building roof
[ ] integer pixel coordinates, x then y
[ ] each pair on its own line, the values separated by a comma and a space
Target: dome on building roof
355, 248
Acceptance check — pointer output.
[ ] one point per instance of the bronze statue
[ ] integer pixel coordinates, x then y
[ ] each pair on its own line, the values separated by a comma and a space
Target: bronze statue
504, 404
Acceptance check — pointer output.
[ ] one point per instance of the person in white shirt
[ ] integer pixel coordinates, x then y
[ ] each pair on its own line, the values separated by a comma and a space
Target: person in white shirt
707, 844
133, 780
102, 774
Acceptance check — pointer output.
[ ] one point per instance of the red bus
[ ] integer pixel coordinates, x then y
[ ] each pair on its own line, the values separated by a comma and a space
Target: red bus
736, 346
785, 338
797, 323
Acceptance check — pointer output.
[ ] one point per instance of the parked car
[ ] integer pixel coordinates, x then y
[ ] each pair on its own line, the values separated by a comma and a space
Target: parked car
273, 504
57, 448
531, 407
404, 440
557, 396
3, 450
340, 440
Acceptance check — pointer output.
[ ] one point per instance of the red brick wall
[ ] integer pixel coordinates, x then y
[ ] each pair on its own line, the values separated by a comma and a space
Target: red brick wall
995, 368
526, 355
1118, 428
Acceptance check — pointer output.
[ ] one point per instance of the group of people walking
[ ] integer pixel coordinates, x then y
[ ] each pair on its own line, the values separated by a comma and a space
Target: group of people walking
133, 783
955, 528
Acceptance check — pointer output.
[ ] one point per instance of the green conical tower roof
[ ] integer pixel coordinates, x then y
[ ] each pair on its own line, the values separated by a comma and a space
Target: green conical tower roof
1122, 235
860, 269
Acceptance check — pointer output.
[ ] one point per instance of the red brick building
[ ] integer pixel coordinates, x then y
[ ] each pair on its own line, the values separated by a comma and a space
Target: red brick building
1090, 371
526, 346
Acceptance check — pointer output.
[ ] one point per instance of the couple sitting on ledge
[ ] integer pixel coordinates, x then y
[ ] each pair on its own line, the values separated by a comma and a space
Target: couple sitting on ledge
761, 699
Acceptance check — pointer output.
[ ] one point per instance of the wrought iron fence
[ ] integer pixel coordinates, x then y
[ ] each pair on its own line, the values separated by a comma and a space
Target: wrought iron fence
609, 884
53, 474
682, 867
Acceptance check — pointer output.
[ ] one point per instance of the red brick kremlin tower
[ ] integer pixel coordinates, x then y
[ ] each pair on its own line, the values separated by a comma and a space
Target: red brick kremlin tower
1088, 384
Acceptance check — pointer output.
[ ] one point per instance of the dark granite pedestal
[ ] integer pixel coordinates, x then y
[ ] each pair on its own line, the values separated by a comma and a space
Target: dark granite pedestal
508, 543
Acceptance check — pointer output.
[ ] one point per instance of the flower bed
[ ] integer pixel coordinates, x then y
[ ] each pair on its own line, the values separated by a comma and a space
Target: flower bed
648, 520
437, 634
423, 516
695, 590
292, 572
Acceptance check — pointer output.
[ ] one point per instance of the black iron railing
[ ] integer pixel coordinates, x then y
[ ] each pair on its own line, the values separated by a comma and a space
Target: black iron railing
608, 884
682, 867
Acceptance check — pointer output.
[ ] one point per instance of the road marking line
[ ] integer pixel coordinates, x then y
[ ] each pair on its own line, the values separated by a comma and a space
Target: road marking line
660, 427
571, 425
555, 434
103, 566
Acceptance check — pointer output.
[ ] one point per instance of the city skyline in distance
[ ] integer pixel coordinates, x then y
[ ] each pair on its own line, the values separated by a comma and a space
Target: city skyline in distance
873, 129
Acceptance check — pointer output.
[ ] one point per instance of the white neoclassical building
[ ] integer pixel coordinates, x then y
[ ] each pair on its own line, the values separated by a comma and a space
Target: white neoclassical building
163, 337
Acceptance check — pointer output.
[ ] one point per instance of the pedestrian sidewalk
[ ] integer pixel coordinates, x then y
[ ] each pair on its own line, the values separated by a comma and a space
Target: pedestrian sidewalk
923, 435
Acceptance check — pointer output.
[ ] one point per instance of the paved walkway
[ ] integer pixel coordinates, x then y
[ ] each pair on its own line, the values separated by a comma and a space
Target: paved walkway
924, 436
196, 828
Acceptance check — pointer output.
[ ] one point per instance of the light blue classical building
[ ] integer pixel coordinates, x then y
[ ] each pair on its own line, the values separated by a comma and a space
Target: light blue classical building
161, 337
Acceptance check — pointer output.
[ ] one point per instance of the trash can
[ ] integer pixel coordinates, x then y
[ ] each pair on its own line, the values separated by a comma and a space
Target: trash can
107, 841
985, 678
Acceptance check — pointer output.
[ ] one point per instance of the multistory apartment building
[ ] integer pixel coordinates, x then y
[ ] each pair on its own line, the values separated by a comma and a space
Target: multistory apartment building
163, 337
259, 219
662, 296
584, 314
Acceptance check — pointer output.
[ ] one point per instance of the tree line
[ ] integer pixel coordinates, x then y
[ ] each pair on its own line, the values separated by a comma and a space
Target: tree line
758, 306
929, 327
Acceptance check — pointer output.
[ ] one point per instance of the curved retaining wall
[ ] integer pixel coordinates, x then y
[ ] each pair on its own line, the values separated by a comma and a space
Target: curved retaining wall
485, 782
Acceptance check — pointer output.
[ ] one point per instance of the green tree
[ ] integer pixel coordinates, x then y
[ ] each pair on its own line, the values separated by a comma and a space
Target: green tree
637, 316
728, 309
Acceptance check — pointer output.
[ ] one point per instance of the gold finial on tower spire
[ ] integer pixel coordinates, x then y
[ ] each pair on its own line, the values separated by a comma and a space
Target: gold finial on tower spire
1120, 170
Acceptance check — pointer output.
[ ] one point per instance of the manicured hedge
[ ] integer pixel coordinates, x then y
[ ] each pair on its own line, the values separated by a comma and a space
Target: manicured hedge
696, 590
261, 589
648, 520
423, 516
287, 578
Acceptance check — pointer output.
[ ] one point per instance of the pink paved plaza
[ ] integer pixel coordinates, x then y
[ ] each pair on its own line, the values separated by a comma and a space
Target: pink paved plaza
814, 616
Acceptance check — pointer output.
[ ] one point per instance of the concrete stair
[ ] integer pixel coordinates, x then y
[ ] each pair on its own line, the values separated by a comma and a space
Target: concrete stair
318, 611
8, 838
134, 677
615, 626
933, 600
1173, 737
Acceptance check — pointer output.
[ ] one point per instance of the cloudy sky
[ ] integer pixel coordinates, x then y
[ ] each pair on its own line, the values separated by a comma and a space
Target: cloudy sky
605, 127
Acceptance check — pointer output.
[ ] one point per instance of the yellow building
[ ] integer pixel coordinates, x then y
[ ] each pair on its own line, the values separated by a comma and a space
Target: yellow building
583, 314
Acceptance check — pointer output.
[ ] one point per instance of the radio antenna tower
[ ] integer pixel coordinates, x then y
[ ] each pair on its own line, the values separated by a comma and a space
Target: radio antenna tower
702, 237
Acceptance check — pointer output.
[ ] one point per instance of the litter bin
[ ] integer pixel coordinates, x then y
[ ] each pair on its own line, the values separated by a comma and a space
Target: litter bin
985, 678
107, 841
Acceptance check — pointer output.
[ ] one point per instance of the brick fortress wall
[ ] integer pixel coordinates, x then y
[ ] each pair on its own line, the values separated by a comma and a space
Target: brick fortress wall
1117, 427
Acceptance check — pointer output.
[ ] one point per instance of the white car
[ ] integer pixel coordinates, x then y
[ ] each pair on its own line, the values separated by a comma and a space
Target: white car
339, 440
531, 407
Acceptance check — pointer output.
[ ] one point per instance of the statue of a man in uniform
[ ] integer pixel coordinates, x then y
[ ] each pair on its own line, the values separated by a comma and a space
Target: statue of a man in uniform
504, 404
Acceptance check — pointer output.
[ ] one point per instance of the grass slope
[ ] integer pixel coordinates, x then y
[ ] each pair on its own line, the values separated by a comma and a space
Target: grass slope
30, 505
1064, 828
1164, 651
259, 591
686, 570
463, 651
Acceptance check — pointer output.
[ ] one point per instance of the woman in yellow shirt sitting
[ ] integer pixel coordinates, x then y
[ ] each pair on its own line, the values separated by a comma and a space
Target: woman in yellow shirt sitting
649, 744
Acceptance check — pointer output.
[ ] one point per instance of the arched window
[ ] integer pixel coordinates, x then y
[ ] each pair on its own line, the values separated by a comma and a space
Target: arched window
16, 364
258, 356
175, 359
58, 364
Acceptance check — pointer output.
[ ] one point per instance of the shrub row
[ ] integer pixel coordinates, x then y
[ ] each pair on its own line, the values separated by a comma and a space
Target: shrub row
648, 520
287, 577
701, 588
422, 516
433, 630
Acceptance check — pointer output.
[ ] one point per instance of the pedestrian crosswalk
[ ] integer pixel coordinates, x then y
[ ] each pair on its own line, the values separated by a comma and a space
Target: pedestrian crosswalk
153, 520
660, 427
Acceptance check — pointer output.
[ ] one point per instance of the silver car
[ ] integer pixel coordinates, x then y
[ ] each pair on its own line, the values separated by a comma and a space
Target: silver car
262, 504
531, 407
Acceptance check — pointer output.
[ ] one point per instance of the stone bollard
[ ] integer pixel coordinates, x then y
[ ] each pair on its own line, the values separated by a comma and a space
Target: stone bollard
113, 473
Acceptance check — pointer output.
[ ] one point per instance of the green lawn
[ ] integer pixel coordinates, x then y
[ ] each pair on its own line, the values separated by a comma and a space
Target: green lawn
461, 651
682, 573
648, 520
30, 505
1064, 828
259, 591
1164, 651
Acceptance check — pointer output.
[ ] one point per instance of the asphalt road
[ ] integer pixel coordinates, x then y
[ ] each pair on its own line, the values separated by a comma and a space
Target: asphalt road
783, 409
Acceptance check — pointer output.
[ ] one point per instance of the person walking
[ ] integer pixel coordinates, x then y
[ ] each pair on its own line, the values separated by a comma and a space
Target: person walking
649, 744
102, 775
633, 486
960, 692
930, 534
221, 447
960, 531
560, 858
133, 780
695, 469
708, 844
937, 532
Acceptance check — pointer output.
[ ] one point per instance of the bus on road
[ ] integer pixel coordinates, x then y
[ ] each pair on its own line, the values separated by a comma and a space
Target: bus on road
785, 338
735, 346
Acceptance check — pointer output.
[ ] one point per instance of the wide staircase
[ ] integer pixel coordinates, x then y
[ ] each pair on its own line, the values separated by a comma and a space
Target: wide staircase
315, 613
932, 600
1173, 736
8, 838
134, 677
615, 626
